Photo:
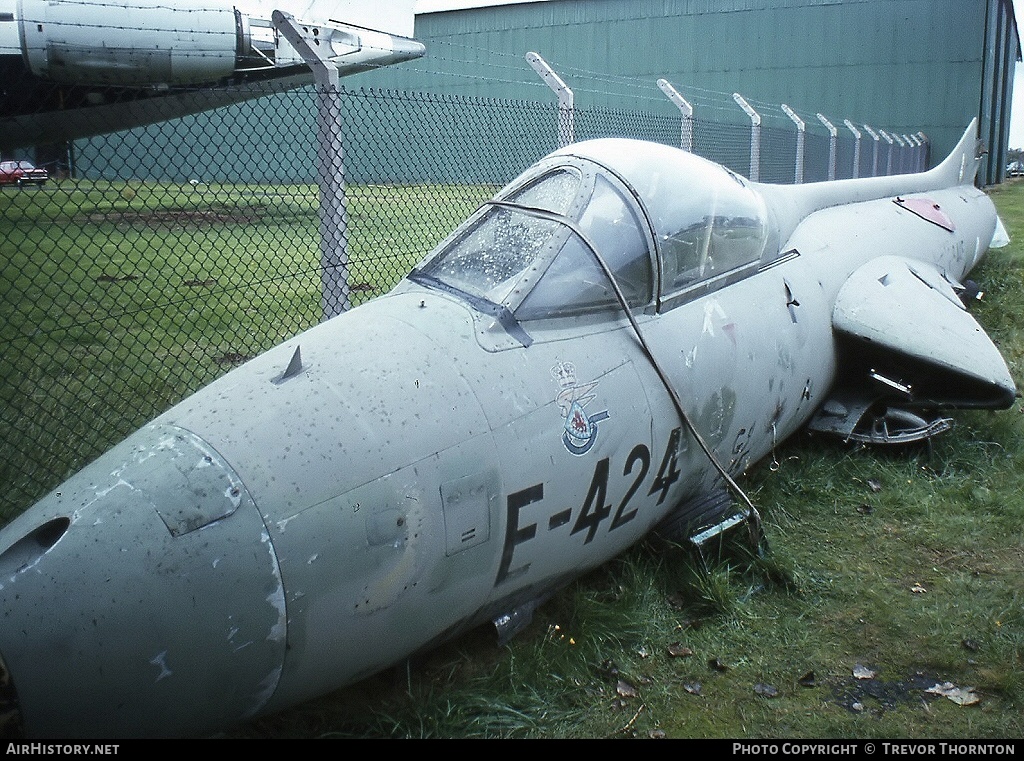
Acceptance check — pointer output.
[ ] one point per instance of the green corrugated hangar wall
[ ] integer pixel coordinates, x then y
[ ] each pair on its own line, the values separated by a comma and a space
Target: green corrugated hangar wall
899, 65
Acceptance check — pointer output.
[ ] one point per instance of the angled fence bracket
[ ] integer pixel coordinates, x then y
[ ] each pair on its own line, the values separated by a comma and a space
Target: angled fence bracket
755, 136
874, 149
801, 135
833, 136
901, 153
686, 133
889, 141
924, 150
566, 102
856, 147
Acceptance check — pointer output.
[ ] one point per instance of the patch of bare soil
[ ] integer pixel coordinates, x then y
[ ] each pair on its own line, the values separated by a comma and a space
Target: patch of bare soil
877, 696
175, 217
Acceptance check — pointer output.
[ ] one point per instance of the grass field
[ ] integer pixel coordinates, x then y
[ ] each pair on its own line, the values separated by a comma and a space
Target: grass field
886, 573
119, 299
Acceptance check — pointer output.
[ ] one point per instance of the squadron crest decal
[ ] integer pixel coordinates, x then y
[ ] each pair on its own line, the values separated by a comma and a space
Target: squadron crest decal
580, 429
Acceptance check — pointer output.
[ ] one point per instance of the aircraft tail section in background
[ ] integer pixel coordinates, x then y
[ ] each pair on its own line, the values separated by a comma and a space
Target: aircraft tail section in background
91, 66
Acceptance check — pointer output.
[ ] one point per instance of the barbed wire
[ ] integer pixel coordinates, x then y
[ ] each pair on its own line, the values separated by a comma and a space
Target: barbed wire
717, 101
510, 67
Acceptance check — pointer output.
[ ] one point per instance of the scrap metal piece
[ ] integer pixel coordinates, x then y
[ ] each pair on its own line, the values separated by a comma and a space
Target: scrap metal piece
871, 421
509, 624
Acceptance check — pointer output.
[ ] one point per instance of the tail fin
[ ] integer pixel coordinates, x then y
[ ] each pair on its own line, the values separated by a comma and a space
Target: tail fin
960, 167
792, 203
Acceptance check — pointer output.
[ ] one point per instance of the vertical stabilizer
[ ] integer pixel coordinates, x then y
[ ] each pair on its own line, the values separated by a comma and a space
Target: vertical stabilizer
960, 167
792, 203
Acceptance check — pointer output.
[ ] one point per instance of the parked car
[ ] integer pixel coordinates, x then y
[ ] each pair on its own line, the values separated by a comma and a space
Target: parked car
1015, 169
22, 173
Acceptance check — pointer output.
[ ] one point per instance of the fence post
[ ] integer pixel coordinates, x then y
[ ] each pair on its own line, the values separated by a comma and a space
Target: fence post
924, 150
334, 297
755, 136
801, 133
686, 130
901, 154
888, 160
833, 135
566, 107
856, 147
915, 145
874, 150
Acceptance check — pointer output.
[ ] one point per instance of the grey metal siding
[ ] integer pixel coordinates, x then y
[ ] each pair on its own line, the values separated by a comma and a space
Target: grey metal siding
899, 65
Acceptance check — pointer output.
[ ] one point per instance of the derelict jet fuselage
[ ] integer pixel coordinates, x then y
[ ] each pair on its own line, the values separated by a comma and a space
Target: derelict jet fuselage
75, 68
502, 421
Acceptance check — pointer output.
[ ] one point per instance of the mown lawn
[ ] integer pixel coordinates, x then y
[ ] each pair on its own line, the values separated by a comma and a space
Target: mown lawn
119, 299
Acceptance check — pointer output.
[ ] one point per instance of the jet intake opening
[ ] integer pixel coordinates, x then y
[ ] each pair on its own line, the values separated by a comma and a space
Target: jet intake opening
32, 546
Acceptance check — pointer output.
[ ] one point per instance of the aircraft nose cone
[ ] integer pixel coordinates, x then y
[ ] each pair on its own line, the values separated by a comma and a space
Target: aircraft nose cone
142, 597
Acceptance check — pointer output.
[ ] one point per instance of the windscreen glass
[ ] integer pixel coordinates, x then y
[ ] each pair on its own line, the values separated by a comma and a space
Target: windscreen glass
575, 282
495, 252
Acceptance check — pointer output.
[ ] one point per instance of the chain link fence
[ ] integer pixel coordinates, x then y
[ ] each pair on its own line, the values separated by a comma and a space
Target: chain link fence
155, 260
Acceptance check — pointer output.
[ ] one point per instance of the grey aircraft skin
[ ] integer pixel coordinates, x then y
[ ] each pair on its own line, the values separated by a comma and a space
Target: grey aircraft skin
452, 452
76, 68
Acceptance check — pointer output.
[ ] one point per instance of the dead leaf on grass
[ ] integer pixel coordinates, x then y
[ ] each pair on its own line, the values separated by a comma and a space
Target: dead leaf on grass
625, 689
717, 664
964, 696
679, 650
863, 672
766, 690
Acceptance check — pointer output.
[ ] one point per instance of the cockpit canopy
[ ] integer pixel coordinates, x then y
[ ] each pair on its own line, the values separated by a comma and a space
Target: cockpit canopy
706, 220
664, 222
